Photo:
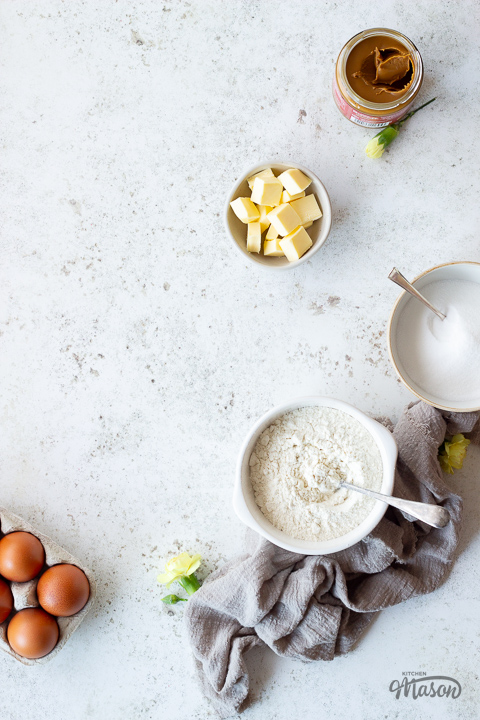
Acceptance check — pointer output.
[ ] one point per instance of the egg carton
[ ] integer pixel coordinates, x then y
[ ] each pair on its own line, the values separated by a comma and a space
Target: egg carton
25, 594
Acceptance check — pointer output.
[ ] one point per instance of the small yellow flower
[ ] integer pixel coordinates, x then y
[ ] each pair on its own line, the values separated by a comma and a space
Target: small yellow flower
375, 149
180, 566
452, 453
377, 144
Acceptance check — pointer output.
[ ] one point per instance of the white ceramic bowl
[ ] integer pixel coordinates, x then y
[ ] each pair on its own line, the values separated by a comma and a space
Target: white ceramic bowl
469, 271
318, 231
243, 497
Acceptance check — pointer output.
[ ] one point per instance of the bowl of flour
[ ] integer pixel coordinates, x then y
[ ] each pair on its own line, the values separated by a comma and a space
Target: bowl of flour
290, 468
436, 359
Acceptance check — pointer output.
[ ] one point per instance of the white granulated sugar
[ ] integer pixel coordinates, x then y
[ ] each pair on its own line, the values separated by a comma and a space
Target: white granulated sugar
442, 356
298, 463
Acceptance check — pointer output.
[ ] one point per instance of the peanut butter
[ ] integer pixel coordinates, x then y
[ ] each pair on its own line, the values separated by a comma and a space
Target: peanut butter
380, 69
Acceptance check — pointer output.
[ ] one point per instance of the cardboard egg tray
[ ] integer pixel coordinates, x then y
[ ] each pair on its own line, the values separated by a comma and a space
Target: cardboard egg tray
25, 594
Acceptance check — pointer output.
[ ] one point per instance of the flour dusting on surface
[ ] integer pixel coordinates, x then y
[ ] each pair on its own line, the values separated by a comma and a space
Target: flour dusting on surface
297, 466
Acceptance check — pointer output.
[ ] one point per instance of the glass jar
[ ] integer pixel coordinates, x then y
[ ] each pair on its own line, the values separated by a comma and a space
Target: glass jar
374, 114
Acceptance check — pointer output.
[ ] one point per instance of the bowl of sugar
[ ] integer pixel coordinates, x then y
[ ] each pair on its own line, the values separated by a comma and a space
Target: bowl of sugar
438, 360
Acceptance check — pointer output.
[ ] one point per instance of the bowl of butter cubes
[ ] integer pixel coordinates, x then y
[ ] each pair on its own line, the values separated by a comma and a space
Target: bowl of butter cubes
278, 214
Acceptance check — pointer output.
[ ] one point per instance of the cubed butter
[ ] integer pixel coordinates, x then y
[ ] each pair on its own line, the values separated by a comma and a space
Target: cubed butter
307, 209
245, 210
294, 181
286, 197
264, 210
254, 237
263, 173
272, 234
307, 225
296, 244
271, 248
267, 191
284, 219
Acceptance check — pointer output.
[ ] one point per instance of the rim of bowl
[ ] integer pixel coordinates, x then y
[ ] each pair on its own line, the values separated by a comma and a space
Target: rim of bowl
386, 444
390, 351
327, 217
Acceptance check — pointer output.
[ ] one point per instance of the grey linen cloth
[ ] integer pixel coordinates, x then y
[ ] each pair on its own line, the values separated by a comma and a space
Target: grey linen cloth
316, 607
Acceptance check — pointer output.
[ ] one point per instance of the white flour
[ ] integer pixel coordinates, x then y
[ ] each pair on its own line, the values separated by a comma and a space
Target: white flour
297, 465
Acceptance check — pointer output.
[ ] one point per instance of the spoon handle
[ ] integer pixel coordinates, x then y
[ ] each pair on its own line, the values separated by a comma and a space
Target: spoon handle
431, 514
399, 279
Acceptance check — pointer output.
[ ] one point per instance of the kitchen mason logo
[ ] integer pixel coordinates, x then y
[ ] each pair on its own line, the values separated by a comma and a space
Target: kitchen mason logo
418, 684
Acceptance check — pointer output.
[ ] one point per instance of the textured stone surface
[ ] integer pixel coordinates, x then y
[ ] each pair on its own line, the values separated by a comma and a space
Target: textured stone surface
137, 347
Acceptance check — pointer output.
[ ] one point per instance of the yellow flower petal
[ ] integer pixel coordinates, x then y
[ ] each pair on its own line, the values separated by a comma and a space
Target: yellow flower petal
445, 465
179, 563
166, 578
375, 149
453, 453
179, 566
194, 564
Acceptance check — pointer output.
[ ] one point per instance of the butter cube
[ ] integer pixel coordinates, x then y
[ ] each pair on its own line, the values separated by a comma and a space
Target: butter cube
263, 173
307, 225
307, 209
264, 210
267, 191
294, 181
245, 210
272, 234
296, 244
254, 237
284, 219
271, 248
286, 197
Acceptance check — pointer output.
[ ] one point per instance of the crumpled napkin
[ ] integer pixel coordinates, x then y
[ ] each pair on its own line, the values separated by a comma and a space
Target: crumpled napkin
316, 607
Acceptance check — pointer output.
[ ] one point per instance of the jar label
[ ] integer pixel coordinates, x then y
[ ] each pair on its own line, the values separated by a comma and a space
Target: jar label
366, 123
360, 118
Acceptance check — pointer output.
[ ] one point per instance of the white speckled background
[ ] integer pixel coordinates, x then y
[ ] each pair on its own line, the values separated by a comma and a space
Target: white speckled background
137, 347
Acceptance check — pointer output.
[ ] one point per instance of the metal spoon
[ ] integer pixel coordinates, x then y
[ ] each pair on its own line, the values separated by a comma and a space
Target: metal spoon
431, 514
399, 279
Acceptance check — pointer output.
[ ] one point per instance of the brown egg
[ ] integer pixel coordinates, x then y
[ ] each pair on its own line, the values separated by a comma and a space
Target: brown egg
21, 556
63, 590
6, 600
32, 633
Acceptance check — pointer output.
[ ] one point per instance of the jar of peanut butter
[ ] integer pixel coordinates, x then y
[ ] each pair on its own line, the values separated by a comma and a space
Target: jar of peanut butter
377, 77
